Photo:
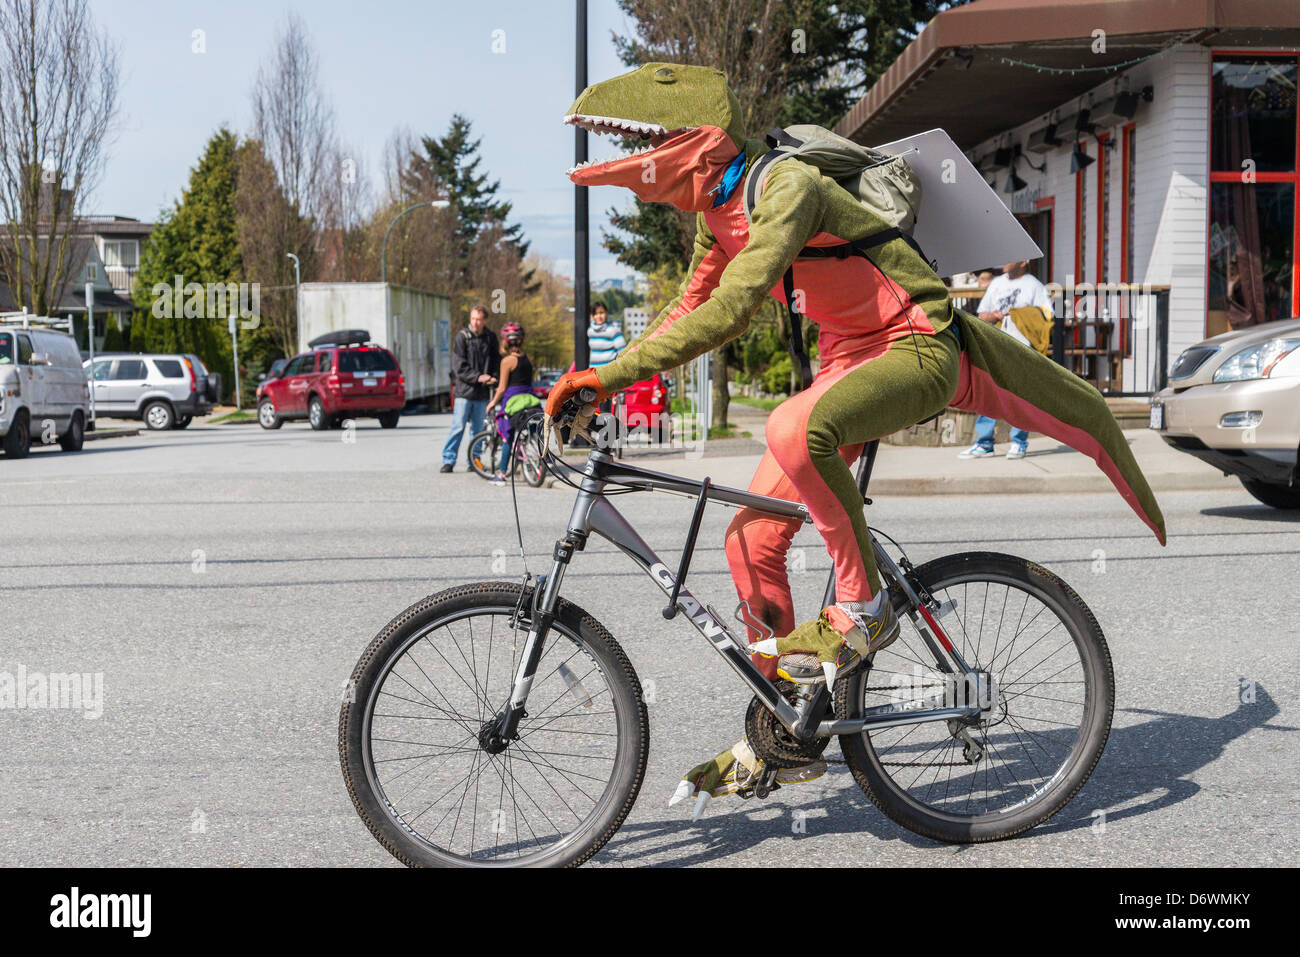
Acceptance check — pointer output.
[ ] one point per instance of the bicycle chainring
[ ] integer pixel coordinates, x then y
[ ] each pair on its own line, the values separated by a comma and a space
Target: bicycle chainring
771, 741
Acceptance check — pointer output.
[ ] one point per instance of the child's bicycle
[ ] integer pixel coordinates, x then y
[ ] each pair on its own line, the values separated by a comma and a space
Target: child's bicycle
498, 723
527, 455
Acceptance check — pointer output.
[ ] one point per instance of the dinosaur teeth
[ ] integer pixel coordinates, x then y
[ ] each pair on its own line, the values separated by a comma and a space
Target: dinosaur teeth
613, 126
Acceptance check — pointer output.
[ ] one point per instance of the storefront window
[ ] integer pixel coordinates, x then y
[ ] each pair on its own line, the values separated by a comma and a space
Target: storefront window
1253, 182
1251, 253
1253, 110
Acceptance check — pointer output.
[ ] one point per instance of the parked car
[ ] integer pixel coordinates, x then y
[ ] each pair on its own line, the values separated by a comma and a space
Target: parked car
164, 390
646, 407
543, 383
42, 390
342, 377
1234, 401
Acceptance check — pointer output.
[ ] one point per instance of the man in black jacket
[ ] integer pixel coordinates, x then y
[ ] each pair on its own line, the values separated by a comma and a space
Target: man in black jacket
475, 362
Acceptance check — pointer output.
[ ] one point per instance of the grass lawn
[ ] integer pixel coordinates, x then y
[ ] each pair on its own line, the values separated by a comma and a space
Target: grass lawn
229, 417
767, 405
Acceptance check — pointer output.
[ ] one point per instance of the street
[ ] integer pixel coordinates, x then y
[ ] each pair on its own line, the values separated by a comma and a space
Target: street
224, 581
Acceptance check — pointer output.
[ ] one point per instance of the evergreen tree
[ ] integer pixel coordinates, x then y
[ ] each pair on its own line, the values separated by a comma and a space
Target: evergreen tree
449, 167
197, 241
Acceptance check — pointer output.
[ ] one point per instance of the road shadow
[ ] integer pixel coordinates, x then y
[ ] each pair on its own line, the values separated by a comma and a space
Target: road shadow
1145, 767
1255, 513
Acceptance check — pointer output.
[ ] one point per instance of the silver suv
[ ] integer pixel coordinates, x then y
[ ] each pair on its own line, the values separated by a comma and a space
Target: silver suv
42, 391
165, 391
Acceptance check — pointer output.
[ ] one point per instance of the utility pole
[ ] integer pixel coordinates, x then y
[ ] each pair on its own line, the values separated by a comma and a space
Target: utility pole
297, 298
581, 260
90, 343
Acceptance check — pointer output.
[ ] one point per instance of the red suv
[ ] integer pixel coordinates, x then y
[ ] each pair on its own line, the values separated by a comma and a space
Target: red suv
343, 377
645, 406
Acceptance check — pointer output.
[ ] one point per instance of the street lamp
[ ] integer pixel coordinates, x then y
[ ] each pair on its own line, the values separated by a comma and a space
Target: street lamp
297, 306
383, 252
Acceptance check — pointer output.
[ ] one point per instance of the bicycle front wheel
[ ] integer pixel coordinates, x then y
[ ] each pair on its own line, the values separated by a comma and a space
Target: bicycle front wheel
484, 453
432, 787
1052, 695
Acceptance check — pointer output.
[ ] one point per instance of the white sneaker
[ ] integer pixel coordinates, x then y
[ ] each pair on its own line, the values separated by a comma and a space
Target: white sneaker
976, 452
1017, 452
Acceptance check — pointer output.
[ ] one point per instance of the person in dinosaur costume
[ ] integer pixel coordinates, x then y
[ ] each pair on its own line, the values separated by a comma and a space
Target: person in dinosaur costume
893, 351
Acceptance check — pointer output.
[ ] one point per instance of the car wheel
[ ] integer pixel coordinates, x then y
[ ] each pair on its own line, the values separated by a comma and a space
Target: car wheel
266, 416
75, 437
1277, 496
18, 440
158, 416
388, 420
184, 421
316, 414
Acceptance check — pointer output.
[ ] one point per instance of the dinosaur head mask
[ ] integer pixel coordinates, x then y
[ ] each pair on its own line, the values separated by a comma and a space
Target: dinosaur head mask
690, 122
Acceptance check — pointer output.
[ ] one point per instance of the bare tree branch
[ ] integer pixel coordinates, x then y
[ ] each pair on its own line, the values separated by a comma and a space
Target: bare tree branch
58, 107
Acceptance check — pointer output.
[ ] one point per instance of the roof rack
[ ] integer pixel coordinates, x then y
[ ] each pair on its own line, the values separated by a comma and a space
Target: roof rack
29, 320
341, 337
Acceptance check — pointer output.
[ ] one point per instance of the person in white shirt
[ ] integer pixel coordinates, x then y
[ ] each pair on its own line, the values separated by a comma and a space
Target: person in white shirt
1014, 288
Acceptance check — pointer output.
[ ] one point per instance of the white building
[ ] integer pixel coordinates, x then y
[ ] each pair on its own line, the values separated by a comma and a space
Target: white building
1139, 141
635, 319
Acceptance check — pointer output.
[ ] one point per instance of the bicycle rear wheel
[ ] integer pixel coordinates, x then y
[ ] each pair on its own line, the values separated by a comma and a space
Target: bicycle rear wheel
529, 453
1053, 697
484, 453
433, 793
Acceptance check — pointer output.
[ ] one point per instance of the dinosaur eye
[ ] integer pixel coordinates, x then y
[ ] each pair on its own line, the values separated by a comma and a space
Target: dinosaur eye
665, 75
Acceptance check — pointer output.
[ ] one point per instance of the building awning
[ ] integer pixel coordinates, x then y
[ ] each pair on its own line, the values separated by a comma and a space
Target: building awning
972, 69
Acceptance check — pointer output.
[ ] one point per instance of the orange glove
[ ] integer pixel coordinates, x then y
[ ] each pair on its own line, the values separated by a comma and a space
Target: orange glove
568, 386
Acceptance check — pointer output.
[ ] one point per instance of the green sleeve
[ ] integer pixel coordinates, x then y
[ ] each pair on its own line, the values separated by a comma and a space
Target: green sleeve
703, 245
788, 214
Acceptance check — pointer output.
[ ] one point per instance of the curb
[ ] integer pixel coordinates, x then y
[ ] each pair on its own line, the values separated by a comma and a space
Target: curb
1026, 485
110, 434
1045, 484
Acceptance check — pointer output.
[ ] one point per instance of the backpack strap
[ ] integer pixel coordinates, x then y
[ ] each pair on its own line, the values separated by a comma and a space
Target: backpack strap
858, 247
797, 350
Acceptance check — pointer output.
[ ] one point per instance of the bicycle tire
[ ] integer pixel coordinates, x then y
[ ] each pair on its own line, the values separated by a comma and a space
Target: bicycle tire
901, 803
529, 454
392, 829
484, 453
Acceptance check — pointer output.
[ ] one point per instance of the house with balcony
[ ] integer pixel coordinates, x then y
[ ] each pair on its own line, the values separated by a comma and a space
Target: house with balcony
1150, 147
105, 252
119, 241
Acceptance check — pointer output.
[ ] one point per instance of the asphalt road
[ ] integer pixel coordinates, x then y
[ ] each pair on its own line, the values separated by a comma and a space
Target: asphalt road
224, 580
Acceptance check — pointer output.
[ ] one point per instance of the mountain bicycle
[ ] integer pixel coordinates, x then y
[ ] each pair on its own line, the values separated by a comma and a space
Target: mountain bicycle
500, 724
526, 455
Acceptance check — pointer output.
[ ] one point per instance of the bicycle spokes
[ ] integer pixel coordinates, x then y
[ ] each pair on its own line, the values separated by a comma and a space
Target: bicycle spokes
444, 776
1028, 679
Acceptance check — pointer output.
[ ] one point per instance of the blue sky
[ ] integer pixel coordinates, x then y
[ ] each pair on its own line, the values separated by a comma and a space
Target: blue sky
385, 64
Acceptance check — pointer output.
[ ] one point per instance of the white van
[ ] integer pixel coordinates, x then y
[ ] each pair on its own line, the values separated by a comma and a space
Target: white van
43, 391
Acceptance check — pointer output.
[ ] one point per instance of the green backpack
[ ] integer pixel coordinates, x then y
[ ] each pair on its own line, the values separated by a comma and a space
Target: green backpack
884, 184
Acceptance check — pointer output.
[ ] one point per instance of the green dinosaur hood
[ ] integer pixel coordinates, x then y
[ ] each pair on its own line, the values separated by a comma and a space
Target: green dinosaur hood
689, 117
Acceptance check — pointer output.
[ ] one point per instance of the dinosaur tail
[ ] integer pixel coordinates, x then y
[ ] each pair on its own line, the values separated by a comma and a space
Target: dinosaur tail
1007, 380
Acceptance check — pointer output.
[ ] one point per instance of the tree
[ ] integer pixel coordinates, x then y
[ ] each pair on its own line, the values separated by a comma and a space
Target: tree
196, 241
58, 106
448, 168
290, 181
293, 120
268, 227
